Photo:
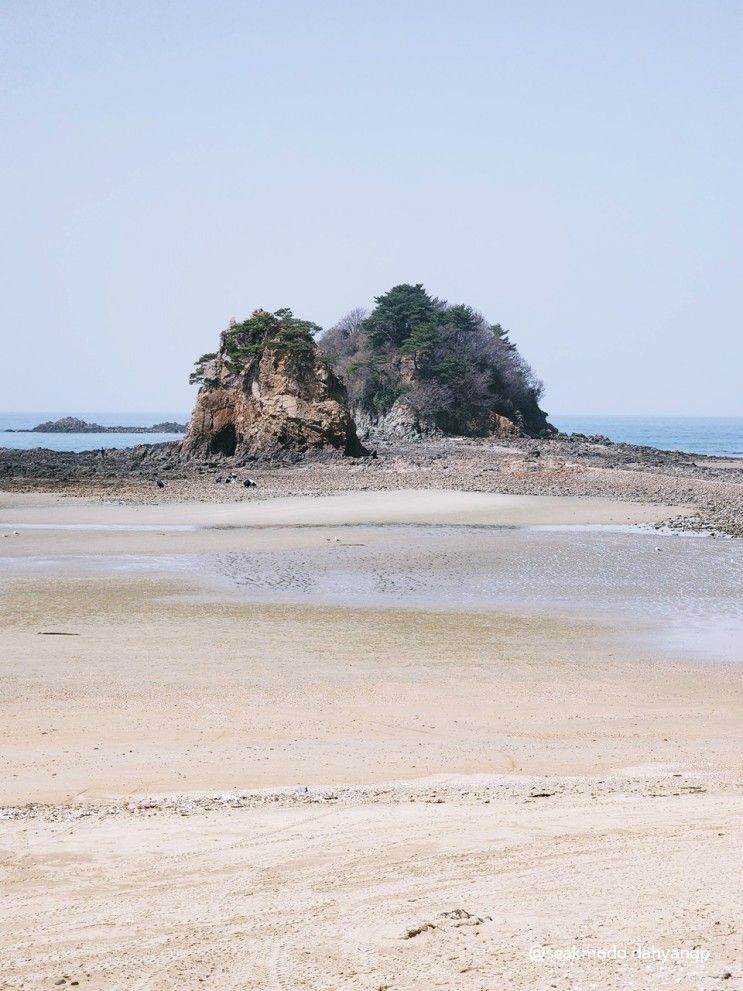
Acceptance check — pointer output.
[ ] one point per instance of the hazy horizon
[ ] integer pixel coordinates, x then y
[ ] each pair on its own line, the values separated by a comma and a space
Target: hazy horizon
570, 170
169, 412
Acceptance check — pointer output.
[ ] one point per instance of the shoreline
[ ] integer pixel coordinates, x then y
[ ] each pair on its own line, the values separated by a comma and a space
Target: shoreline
707, 491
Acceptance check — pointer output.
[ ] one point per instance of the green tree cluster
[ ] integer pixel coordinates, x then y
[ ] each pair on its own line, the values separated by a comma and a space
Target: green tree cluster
280, 332
446, 361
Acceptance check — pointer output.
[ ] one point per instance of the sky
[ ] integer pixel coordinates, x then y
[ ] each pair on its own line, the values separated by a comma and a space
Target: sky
570, 169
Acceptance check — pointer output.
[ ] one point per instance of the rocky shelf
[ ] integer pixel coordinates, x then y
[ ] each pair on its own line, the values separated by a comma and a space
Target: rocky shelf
707, 490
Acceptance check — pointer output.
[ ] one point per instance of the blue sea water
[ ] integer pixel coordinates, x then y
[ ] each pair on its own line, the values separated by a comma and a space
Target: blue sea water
720, 435
695, 434
84, 442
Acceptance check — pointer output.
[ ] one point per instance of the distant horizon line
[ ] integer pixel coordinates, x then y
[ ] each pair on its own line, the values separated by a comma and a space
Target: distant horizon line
665, 416
186, 413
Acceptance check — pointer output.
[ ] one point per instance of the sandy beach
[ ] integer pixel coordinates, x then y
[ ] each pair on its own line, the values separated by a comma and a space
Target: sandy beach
241, 746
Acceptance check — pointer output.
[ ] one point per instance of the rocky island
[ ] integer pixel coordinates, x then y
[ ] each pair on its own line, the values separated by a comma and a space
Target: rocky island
417, 394
414, 367
74, 425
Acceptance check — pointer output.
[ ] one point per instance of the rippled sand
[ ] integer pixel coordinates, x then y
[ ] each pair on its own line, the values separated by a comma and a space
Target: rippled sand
685, 593
485, 737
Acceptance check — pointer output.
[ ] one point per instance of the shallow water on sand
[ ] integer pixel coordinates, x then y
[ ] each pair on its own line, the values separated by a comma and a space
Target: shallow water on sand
683, 592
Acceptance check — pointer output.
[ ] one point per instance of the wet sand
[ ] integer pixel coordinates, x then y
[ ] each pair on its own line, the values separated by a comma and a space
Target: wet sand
158, 691
49, 524
204, 787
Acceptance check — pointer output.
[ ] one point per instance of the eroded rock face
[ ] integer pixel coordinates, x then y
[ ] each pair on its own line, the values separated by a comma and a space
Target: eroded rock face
272, 403
405, 422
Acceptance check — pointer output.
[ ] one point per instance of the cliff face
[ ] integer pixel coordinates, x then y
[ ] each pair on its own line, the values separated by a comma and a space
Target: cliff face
406, 422
267, 393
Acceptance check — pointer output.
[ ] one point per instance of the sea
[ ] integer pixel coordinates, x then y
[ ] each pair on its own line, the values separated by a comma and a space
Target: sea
85, 442
722, 436
715, 435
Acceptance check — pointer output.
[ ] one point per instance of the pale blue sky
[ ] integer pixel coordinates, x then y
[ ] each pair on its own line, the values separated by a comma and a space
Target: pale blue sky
572, 169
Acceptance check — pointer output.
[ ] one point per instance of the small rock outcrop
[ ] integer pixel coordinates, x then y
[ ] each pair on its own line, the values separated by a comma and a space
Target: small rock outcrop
73, 425
268, 392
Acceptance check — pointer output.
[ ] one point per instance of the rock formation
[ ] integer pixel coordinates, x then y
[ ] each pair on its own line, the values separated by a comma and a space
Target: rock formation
268, 392
405, 422
417, 366
73, 425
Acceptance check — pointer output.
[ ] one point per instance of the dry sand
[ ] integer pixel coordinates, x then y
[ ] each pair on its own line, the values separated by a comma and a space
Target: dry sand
336, 895
280, 796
